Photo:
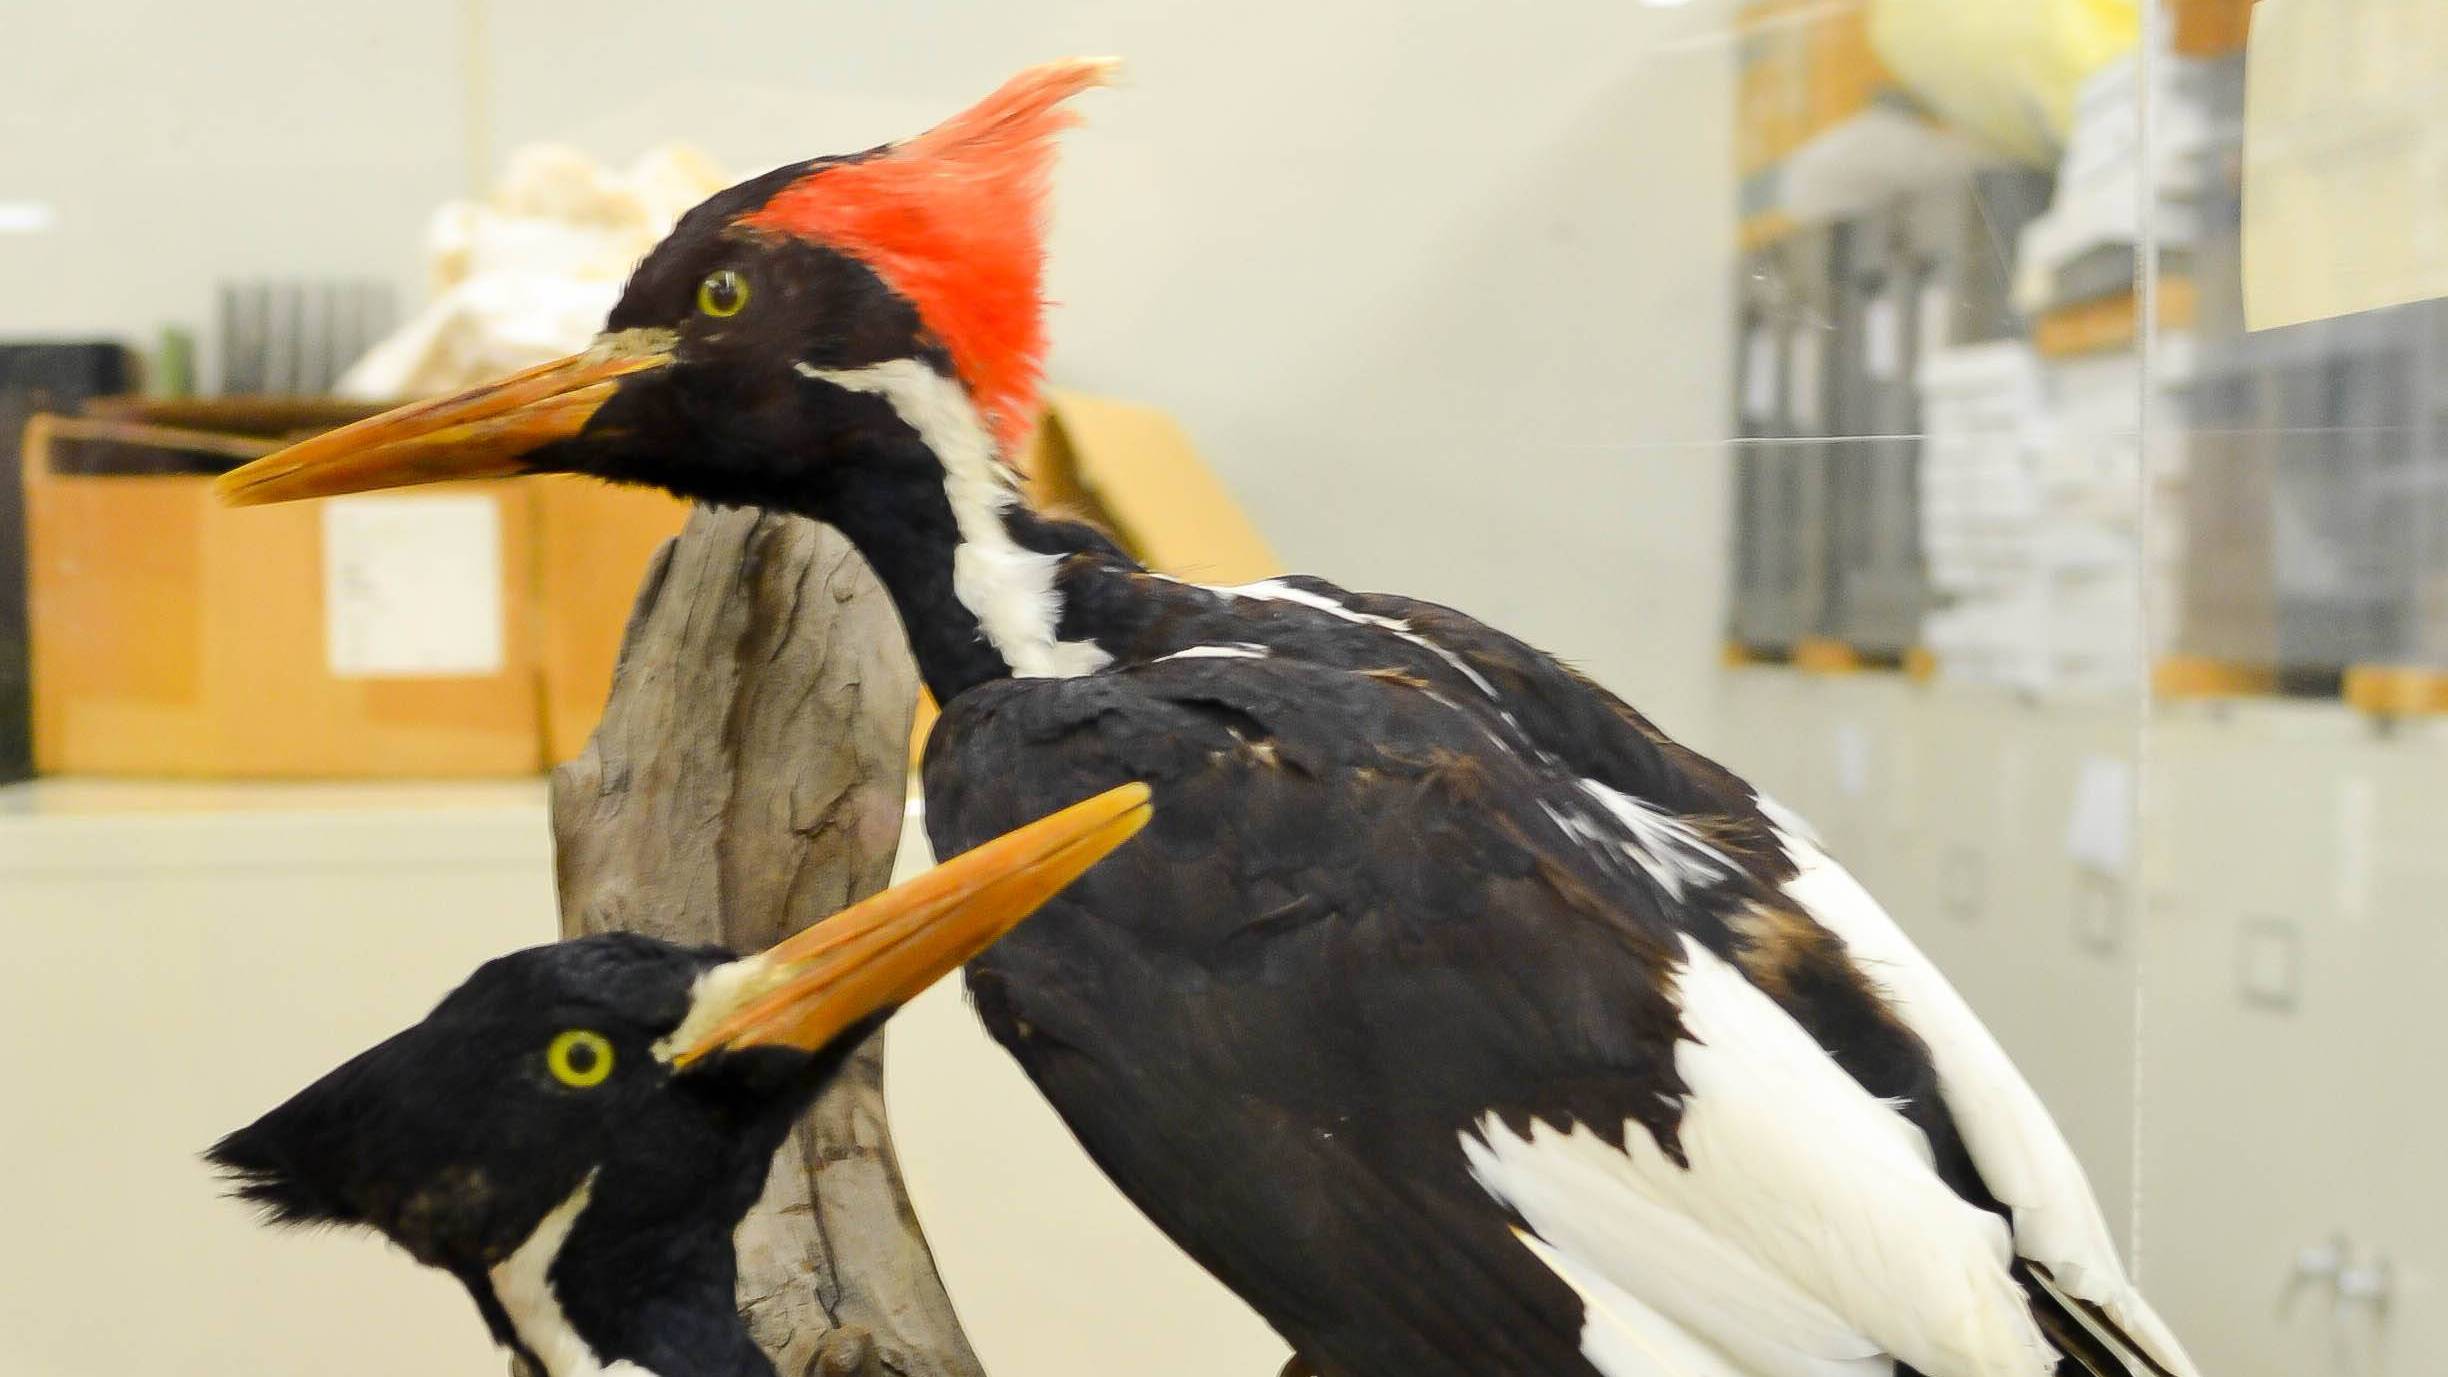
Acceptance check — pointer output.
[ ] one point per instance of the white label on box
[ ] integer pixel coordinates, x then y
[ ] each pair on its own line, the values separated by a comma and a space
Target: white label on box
2099, 828
412, 587
1883, 338
1760, 376
1804, 410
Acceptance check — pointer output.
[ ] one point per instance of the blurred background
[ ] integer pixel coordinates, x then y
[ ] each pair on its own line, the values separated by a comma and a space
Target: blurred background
2013, 432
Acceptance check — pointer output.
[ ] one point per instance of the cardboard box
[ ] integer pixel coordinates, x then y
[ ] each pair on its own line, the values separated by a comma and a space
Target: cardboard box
1132, 470
569, 552
172, 636
175, 637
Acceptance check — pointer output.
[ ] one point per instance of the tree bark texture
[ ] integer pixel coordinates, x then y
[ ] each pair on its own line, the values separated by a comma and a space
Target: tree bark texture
747, 779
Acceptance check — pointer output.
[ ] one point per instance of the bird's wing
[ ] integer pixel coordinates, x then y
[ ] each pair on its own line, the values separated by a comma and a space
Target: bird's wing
2017, 1147
1359, 903
1804, 1225
2021, 1156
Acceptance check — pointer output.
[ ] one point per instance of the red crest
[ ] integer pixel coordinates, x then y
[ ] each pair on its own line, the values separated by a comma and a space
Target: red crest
954, 220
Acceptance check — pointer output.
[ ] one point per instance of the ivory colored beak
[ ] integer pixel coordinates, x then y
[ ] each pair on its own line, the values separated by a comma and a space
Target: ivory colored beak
485, 432
807, 990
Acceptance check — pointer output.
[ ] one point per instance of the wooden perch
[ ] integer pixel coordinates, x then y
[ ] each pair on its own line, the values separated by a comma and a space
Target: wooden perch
747, 779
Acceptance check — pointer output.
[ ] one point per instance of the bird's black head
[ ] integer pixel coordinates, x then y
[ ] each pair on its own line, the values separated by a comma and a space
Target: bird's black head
575, 1132
836, 334
533, 1138
457, 1136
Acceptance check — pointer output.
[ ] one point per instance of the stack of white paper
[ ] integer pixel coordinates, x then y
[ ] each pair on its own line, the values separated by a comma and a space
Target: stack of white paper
2044, 543
2194, 108
528, 273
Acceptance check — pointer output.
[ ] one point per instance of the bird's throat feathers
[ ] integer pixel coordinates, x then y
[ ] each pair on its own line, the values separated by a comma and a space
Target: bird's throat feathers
572, 1298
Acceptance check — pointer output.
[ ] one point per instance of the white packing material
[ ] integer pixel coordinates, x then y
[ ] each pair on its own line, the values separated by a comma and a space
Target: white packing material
528, 274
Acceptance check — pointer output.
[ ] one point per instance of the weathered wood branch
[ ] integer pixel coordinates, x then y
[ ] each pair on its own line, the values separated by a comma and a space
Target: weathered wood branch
747, 779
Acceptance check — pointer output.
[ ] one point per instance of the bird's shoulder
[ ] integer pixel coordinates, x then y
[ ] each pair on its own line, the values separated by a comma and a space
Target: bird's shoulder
1308, 823
1524, 696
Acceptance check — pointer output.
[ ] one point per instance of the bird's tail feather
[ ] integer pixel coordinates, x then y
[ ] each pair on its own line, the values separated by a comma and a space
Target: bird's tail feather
2092, 1344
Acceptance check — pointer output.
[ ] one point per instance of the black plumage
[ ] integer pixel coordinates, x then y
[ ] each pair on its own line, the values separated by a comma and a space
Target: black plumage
1352, 933
454, 1140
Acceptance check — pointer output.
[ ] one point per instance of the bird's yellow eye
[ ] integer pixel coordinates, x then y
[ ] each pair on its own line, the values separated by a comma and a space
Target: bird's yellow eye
723, 293
580, 1058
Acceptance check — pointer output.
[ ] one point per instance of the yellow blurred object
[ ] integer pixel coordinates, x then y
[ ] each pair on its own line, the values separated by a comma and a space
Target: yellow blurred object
2004, 71
2210, 28
1807, 66
2107, 325
2345, 158
2396, 690
1823, 129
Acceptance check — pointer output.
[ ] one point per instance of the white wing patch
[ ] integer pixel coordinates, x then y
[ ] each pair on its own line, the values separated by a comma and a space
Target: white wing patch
1621, 1335
2021, 1155
1669, 848
1809, 1237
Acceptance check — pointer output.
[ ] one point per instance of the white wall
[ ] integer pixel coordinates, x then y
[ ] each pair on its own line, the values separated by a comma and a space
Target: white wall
182, 145
181, 960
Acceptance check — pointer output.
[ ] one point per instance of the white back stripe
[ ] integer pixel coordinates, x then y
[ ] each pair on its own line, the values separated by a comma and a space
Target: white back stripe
1276, 590
1668, 848
1239, 650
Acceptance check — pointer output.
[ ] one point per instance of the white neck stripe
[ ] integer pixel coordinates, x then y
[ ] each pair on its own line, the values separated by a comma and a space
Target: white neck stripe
522, 1282
1008, 589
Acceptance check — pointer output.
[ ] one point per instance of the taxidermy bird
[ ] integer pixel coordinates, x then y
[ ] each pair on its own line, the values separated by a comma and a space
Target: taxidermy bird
575, 1132
1453, 1014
